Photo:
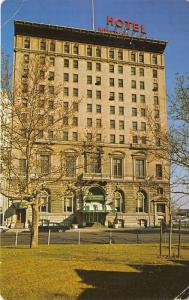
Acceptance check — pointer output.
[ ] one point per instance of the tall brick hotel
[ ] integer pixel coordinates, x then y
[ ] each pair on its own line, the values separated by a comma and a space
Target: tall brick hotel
115, 80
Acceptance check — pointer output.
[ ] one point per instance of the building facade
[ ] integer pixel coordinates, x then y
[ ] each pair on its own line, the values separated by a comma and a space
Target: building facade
114, 171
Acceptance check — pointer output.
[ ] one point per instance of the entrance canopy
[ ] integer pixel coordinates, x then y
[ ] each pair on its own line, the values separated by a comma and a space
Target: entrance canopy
97, 207
94, 198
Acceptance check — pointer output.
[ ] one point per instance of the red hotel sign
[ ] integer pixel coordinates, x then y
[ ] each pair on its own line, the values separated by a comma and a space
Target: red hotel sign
123, 25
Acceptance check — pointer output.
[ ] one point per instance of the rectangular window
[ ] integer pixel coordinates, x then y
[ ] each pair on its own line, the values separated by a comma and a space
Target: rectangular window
112, 96
98, 108
120, 69
112, 138
143, 126
133, 84
52, 46
141, 71
121, 110
51, 89
134, 98
121, 97
93, 163
155, 87
70, 166
142, 99
98, 137
89, 107
159, 172
89, 51
75, 92
121, 139
66, 77
65, 135
75, 121
25, 73
66, 91
65, 121
135, 139
98, 67
98, 94
42, 60
142, 87
111, 81
112, 124
160, 208
45, 164
43, 45
52, 61
66, 63
75, 106
112, 110
117, 167
89, 122
51, 75
154, 59
120, 82
75, 77
120, 55
66, 48
50, 120
75, 49
140, 168
51, 104
89, 65
89, 79
74, 136
133, 71
89, 93
26, 58
143, 140
121, 124
98, 123
65, 105
143, 112
89, 136
111, 68
50, 134
75, 64
134, 112
22, 166
27, 43
98, 52
111, 54
156, 113
141, 58
156, 100
42, 74
25, 88
98, 80
155, 74
133, 57
134, 125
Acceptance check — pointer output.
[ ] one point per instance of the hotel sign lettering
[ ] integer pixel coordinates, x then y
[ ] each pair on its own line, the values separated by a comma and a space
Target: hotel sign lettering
121, 26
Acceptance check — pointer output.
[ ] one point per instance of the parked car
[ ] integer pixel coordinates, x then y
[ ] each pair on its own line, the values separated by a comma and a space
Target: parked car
3, 228
60, 227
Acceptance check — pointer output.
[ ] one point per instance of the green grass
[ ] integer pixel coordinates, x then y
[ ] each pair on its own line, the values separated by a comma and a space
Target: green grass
92, 272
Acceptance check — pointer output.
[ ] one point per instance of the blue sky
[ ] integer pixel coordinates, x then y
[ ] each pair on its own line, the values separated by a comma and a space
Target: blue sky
163, 19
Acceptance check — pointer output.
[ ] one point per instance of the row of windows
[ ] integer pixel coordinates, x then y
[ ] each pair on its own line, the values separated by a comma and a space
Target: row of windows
92, 164
90, 51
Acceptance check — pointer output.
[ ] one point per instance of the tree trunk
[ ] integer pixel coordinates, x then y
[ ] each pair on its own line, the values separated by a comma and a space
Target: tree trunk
35, 221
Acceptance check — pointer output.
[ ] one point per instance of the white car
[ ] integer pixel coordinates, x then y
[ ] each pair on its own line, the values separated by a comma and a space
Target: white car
3, 228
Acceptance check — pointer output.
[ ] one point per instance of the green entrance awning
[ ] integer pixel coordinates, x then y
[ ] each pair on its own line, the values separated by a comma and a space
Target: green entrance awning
94, 198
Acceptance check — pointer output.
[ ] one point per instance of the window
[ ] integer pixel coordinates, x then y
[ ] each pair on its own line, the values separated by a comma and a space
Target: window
75, 77
161, 208
89, 107
133, 56
70, 166
134, 112
75, 64
112, 96
89, 79
27, 43
111, 68
143, 140
121, 124
120, 82
134, 125
50, 134
98, 80
66, 91
42, 60
50, 120
98, 94
133, 84
156, 113
45, 164
74, 136
112, 138
160, 190
66, 77
98, 137
143, 112
89, 122
142, 204
155, 73
135, 139
51, 104
121, 139
25, 73
140, 168
89, 65
120, 69
42, 74
121, 110
112, 124
155, 86
143, 126
66, 63
66, 48
133, 71
75, 106
75, 121
22, 166
134, 97
142, 99
121, 97
52, 61
75, 49
98, 66
89, 136
98, 52
98, 123
65, 121
89, 51
141, 71
43, 45
117, 167
159, 172
158, 141
154, 59
111, 81
141, 58
93, 163
25, 87
89, 93
65, 105
51, 89
120, 55
75, 92
52, 46
156, 100
142, 85
157, 127
26, 58
68, 204
111, 54
51, 75
112, 110
98, 108
118, 202
65, 135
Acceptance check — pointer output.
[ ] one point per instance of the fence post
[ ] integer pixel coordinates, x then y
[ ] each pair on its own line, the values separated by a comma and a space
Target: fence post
160, 239
79, 237
49, 237
16, 239
110, 238
179, 239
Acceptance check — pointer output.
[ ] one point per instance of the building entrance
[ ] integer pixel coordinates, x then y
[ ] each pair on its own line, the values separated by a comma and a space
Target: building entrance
21, 217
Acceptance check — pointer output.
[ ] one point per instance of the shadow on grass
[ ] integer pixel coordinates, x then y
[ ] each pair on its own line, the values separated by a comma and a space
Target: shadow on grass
148, 282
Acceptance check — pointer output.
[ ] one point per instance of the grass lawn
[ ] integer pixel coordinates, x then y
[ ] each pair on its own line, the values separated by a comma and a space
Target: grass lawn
87, 272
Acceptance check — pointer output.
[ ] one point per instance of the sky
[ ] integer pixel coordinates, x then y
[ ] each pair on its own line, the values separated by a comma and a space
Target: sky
163, 19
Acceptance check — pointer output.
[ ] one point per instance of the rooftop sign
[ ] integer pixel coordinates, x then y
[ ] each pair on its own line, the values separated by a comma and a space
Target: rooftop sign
122, 27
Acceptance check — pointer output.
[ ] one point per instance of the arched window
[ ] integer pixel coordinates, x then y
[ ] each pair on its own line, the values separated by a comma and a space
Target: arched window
142, 203
118, 201
68, 203
45, 202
